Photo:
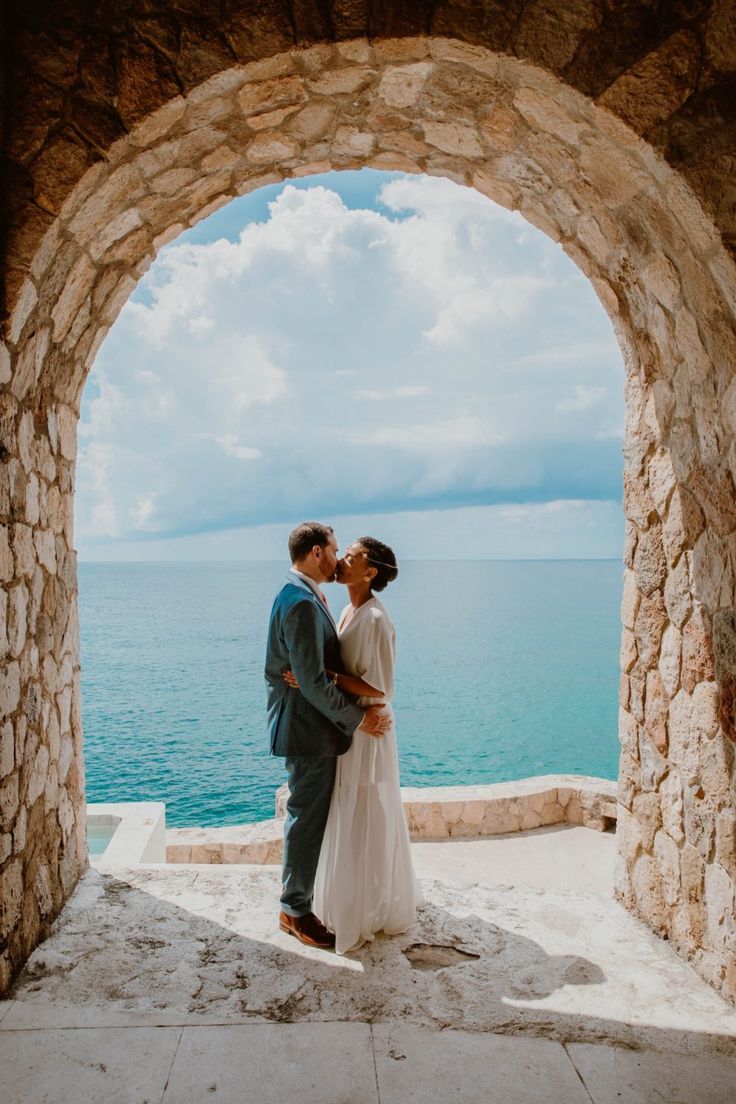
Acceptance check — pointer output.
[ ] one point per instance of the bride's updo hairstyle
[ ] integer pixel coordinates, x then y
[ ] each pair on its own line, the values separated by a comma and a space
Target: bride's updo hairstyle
382, 558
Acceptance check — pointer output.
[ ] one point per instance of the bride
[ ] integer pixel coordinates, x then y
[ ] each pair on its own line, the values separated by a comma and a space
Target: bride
365, 878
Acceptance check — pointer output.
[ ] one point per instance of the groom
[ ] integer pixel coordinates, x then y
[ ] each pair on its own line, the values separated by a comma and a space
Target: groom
310, 726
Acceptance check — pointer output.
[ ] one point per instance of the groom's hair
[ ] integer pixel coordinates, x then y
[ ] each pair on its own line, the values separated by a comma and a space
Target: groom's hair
303, 539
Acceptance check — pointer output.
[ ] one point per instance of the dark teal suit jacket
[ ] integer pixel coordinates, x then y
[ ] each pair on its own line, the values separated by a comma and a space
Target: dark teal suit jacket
317, 720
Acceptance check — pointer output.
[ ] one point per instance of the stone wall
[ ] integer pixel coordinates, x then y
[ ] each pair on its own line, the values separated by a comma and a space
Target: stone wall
612, 135
432, 813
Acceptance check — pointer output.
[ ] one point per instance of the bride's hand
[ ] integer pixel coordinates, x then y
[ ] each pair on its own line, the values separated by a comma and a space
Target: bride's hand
290, 679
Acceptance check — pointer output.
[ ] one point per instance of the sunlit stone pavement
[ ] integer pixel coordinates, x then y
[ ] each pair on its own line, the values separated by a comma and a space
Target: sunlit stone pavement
522, 981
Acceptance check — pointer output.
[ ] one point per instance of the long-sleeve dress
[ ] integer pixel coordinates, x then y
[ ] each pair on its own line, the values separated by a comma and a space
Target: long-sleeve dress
365, 878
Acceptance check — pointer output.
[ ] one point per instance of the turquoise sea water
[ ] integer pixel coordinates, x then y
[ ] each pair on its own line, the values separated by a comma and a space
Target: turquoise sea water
504, 669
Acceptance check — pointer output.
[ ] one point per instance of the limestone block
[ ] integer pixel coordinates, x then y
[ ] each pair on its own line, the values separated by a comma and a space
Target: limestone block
9, 801
698, 660
683, 524
7, 749
160, 122
267, 147
351, 142
32, 508
67, 426
638, 502
355, 50
653, 765
25, 303
342, 81
728, 405
66, 757
655, 711
18, 620
633, 690
45, 545
716, 773
628, 837
662, 480
472, 814
671, 807
262, 97
9, 688
719, 905
6, 846
11, 896
667, 857
452, 138
6, 555
662, 280
312, 122
66, 815
37, 780
4, 642
401, 85
651, 621
646, 885
698, 819
705, 708
115, 229
42, 890
669, 659
389, 161
172, 181
51, 727
649, 560
77, 287
659, 407
5, 366
677, 592
122, 187
726, 841
630, 600
655, 86
403, 142
223, 157
64, 702
43, 459
683, 736
25, 440
683, 449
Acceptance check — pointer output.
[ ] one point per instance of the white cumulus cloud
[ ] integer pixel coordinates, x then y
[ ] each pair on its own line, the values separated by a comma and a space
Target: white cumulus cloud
426, 350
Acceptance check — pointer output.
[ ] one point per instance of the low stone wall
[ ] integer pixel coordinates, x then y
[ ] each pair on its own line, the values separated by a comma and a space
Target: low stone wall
432, 813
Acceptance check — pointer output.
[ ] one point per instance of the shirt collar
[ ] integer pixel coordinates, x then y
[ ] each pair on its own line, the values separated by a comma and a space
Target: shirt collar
309, 581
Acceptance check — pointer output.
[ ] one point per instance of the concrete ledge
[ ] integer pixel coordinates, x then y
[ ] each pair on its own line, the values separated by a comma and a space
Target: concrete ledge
432, 813
139, 836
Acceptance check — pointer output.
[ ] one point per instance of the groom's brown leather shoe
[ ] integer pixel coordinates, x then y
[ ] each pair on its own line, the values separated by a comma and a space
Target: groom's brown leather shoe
307, 929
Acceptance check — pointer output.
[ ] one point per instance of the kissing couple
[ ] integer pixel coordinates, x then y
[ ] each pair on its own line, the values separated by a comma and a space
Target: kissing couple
347, 868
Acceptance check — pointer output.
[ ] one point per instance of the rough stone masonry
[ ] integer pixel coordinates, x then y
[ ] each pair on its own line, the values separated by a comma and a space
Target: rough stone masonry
610, 127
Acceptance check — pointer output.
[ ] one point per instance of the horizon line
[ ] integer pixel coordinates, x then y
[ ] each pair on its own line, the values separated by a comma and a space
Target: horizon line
405, 559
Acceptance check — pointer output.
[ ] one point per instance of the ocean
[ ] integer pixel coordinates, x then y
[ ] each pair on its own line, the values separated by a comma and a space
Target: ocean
504, 669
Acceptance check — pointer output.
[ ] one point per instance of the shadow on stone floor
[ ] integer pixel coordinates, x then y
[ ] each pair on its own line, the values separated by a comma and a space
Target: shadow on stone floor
192, 946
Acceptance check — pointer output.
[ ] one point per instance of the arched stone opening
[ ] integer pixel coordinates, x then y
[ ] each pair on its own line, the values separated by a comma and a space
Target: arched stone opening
631, 223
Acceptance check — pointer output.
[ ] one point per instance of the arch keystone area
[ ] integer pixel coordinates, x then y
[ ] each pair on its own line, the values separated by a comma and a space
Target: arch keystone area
588, 129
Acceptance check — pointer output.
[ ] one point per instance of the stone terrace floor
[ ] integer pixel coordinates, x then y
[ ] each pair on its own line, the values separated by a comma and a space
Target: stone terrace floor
523, 981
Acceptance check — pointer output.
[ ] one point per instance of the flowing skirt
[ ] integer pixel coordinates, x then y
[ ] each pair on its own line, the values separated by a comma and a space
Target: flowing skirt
365, 877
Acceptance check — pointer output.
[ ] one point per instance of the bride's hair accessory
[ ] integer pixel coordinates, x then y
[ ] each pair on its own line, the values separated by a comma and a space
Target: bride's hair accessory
381, 557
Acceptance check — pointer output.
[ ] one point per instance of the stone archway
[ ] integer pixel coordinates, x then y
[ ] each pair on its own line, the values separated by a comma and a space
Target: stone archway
573, 167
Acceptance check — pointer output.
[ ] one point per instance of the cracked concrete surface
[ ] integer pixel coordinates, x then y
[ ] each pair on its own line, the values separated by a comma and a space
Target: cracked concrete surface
559, 981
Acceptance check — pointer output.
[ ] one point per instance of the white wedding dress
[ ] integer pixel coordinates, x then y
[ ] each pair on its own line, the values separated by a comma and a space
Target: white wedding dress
365, 879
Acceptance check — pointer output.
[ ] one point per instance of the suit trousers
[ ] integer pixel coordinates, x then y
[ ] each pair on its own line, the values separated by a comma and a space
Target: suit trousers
311, 781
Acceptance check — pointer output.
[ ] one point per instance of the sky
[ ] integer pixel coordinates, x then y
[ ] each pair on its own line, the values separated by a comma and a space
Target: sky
394, 355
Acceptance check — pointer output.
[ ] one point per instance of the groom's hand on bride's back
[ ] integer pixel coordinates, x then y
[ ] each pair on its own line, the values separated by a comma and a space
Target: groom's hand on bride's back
376, 722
